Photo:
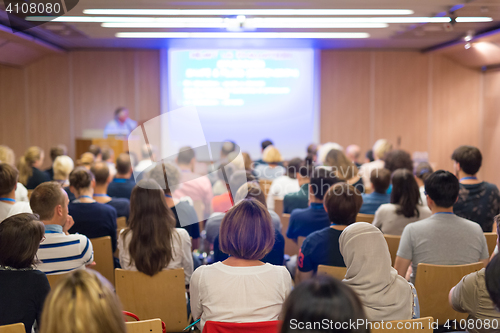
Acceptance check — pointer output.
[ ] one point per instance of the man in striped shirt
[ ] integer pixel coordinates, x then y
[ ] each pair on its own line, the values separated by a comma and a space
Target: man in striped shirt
59, 252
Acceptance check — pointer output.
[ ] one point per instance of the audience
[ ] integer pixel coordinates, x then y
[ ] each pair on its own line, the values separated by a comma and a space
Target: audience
444, 238
492, 281
324, 149
81, 303
7, 156
151, 242
385, 295
342, 203
271, 168
312, 152
22, 288
380, 150
478, 201
29, 166
398, 159
61, 168
86, 160
241, 288
8, 204
344, 169
380, 179
108, 156
299, 199
59, 252
369, 156
422, 172
263, 145
248, 163
405, 207
148, 155
96, 151
122, 184
103, 178
353, 152
285, 184
92, 219
321, 299
56, 151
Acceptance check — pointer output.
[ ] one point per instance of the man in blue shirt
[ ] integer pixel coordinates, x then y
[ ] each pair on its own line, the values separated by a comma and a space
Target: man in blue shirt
122, 184
380, 179
121, 125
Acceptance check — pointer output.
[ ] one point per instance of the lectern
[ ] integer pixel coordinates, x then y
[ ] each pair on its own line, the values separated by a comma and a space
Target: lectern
118, 145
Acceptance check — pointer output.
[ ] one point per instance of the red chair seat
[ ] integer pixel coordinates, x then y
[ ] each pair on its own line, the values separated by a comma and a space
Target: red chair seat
258, 327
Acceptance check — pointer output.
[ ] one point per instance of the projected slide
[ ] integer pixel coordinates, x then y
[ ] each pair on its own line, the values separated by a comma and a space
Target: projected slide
247, 95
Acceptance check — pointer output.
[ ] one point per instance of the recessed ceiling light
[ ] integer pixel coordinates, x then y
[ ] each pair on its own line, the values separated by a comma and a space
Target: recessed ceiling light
473, 19
273, 35
246, 25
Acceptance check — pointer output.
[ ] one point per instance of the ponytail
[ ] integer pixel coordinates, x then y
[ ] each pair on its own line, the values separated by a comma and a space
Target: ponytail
26, 162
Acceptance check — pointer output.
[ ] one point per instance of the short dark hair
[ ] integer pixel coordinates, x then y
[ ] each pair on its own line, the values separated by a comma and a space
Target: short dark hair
312, 149
246, 231
20, 237
58, 151
45, 198
319, 298
186, 154
118, 110
107, 153
398, 159
294, 166
8, 178
123, 165
321, 180
492, 279
343, 202
405, 193
264, 144
95, 149
100, 170
423, 170
369, 155
80, 178
442, 187
469, 158
381, 180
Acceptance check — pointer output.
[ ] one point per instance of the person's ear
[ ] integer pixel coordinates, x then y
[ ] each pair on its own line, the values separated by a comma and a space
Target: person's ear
110, 179
92, 183
324, 206
59, 210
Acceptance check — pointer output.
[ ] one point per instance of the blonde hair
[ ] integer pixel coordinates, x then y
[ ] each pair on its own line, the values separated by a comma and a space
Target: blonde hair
82, 303
271, 155
86, 160
26, 162
7, 155
381, 148
248, 161
63, 165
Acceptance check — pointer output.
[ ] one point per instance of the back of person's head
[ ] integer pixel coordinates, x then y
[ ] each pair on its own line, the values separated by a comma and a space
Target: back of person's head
271, 155
95, 150
167, 175
20, 236
423, 170
248, 161
381, 148
45, 198
185, 156
152, 225
87, 160
62, 166
321, 181
7, 155
107, 153
323, 299
239, 178
343, 202
26, 162
469, 158
80, 178
246, 231
369, 155
8, 178
294, 166
266, 143
58, 150
123, 165
442, 187
381, 180
342, 167
405, 193
227, 148
492, 279
312, 149
325, 148
250, 190
82, 303
398, 159
100, 170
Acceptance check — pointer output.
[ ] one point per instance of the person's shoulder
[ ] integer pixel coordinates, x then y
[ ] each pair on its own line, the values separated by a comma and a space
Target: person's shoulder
387, 208
273, 214
121, 201
182, 232
299, 212
319, 236
491, 186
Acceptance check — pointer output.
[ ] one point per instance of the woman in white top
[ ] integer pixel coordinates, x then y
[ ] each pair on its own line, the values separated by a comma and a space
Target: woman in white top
241, 288
405, 207
151, 242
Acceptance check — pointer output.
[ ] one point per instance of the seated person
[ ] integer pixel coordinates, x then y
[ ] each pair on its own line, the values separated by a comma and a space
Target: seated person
92, 219
284, 184
263, 145
8, 183
398, 159
103, 178
405, 206
444, 238
29, 166
478, 201
122, 184
344, 169
322, 298
108, 156
304, 222
272, 168
59, 150
7, 156
380, 179
492, 282
61, 168
423, 170
241, 288
342, 203
379, 151
299, 199
385, 295
22, 287
151, 242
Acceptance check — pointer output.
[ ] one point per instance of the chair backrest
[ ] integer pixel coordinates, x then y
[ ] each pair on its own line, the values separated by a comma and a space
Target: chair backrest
291, 248
257, 327
421, 325
365, 218
491, 240
393, 244
14, 328
434, 282
103, 257
144, 326
278, 206
265, 185
160, 296
336, 272
121, 223
55, 278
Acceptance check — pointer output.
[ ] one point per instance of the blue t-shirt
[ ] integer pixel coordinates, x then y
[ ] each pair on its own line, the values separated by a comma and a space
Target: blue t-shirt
303, 222
121, 205
37, 178
121, 188
320, 248
372, 201
479, 203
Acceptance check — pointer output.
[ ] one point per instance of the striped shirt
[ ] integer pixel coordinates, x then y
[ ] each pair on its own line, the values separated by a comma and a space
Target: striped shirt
60, 253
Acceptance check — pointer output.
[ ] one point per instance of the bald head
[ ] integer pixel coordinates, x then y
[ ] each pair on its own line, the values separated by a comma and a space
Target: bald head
353, 152
101, 173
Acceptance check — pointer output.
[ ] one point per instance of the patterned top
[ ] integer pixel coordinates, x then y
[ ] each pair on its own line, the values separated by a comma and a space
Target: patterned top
479, 203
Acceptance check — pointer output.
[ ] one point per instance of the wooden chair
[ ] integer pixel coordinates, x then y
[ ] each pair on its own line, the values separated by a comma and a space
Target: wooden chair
278, 206
55, 278
434, 282
121, 223
491, 240
393, 244
265, 185
421, 325
14, 328
160, 296
336, 272
144, 326
291, 248
365, 218
103, 257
